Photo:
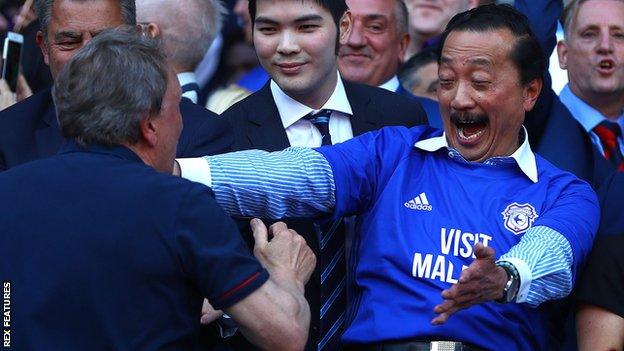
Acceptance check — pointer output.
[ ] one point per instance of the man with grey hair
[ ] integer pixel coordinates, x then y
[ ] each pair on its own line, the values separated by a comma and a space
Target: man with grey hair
186, 30
120, 275
29, 130
375, 47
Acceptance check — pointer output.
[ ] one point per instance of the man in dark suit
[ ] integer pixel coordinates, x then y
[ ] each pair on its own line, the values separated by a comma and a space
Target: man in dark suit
104, 250
186, 31
553, 131
306, 103
29, 129
375, 47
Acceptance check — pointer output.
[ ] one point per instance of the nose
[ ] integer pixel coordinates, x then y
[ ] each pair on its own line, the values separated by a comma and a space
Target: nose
356, 37
462, 100
86, 38
288, 43
605, 43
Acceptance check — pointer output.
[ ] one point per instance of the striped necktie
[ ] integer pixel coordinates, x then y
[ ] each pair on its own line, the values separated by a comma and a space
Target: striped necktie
191, 91
320, 119
331, 261
609, 133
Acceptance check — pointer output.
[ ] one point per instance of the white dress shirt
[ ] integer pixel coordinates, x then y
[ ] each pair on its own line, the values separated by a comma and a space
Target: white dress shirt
188, 78
302, 132
391, 85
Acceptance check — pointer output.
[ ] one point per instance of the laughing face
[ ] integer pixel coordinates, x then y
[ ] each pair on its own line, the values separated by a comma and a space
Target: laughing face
593, 52
481, 96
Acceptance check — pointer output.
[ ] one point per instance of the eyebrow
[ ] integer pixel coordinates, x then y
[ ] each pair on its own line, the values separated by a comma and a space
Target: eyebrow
306, 18
67, 34
473, 61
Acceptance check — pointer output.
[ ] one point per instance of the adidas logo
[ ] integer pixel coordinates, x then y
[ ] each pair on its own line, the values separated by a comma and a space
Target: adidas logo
419, 203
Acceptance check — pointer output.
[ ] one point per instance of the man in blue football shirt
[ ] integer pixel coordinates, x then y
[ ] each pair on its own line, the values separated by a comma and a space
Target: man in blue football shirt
469, 223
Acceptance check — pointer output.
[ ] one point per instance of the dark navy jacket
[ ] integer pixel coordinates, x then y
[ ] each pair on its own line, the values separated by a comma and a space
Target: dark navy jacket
104, 253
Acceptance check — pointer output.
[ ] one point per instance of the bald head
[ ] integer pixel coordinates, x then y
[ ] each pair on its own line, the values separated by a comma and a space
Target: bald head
186, 28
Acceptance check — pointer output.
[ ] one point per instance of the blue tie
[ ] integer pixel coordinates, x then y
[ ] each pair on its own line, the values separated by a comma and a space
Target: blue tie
320, 119
331, 261
190, 87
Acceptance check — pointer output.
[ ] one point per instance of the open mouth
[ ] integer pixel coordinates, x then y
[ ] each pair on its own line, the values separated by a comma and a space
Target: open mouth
470, 127
606, 66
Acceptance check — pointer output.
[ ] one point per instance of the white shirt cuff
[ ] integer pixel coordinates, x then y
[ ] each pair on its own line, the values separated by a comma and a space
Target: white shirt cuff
196, 170
526, 277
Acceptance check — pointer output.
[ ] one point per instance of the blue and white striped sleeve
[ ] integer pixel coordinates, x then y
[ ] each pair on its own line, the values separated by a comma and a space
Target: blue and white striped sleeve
544, 259
295, 182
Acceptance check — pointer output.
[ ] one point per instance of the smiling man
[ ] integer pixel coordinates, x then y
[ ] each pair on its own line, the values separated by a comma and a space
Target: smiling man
29, 130
373, 50
307, 103
448, 222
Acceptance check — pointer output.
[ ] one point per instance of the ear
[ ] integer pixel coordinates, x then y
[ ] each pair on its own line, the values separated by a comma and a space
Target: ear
562, 52
148, 131
346, 23
473, 3
531, 93
403, 43
43, 47
152, 30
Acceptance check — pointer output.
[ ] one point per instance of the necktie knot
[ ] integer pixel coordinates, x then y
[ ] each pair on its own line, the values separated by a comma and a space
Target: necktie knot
609, 133
320, 119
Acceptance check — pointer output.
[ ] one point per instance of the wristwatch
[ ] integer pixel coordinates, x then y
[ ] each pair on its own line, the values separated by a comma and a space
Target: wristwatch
513, 282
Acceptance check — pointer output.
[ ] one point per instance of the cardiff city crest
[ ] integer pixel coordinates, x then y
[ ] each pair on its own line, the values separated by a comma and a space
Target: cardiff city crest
519, 217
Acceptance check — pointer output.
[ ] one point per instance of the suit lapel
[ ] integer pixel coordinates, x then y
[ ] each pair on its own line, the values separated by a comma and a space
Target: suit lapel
365, 116
265, 129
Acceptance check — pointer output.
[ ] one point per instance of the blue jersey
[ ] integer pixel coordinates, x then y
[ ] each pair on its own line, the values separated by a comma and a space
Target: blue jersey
420, 214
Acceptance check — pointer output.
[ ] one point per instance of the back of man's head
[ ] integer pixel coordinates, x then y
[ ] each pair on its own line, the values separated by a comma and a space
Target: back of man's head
110, 113
186, 28
43, 9
526, 54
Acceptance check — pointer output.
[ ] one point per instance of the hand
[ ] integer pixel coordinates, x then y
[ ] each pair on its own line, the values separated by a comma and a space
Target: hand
482, 281
209, 314
7, 97
286, 256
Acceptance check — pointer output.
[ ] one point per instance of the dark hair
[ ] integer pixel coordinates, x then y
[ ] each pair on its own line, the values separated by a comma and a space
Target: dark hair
526, 54
337, 8
407, 70
90, 114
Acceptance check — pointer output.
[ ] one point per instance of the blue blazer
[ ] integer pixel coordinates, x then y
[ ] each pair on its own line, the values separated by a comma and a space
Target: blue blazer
29, 131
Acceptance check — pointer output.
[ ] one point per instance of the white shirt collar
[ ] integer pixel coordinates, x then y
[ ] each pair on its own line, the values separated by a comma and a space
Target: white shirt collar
391, 85
524, 157
187, 78
291, 110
